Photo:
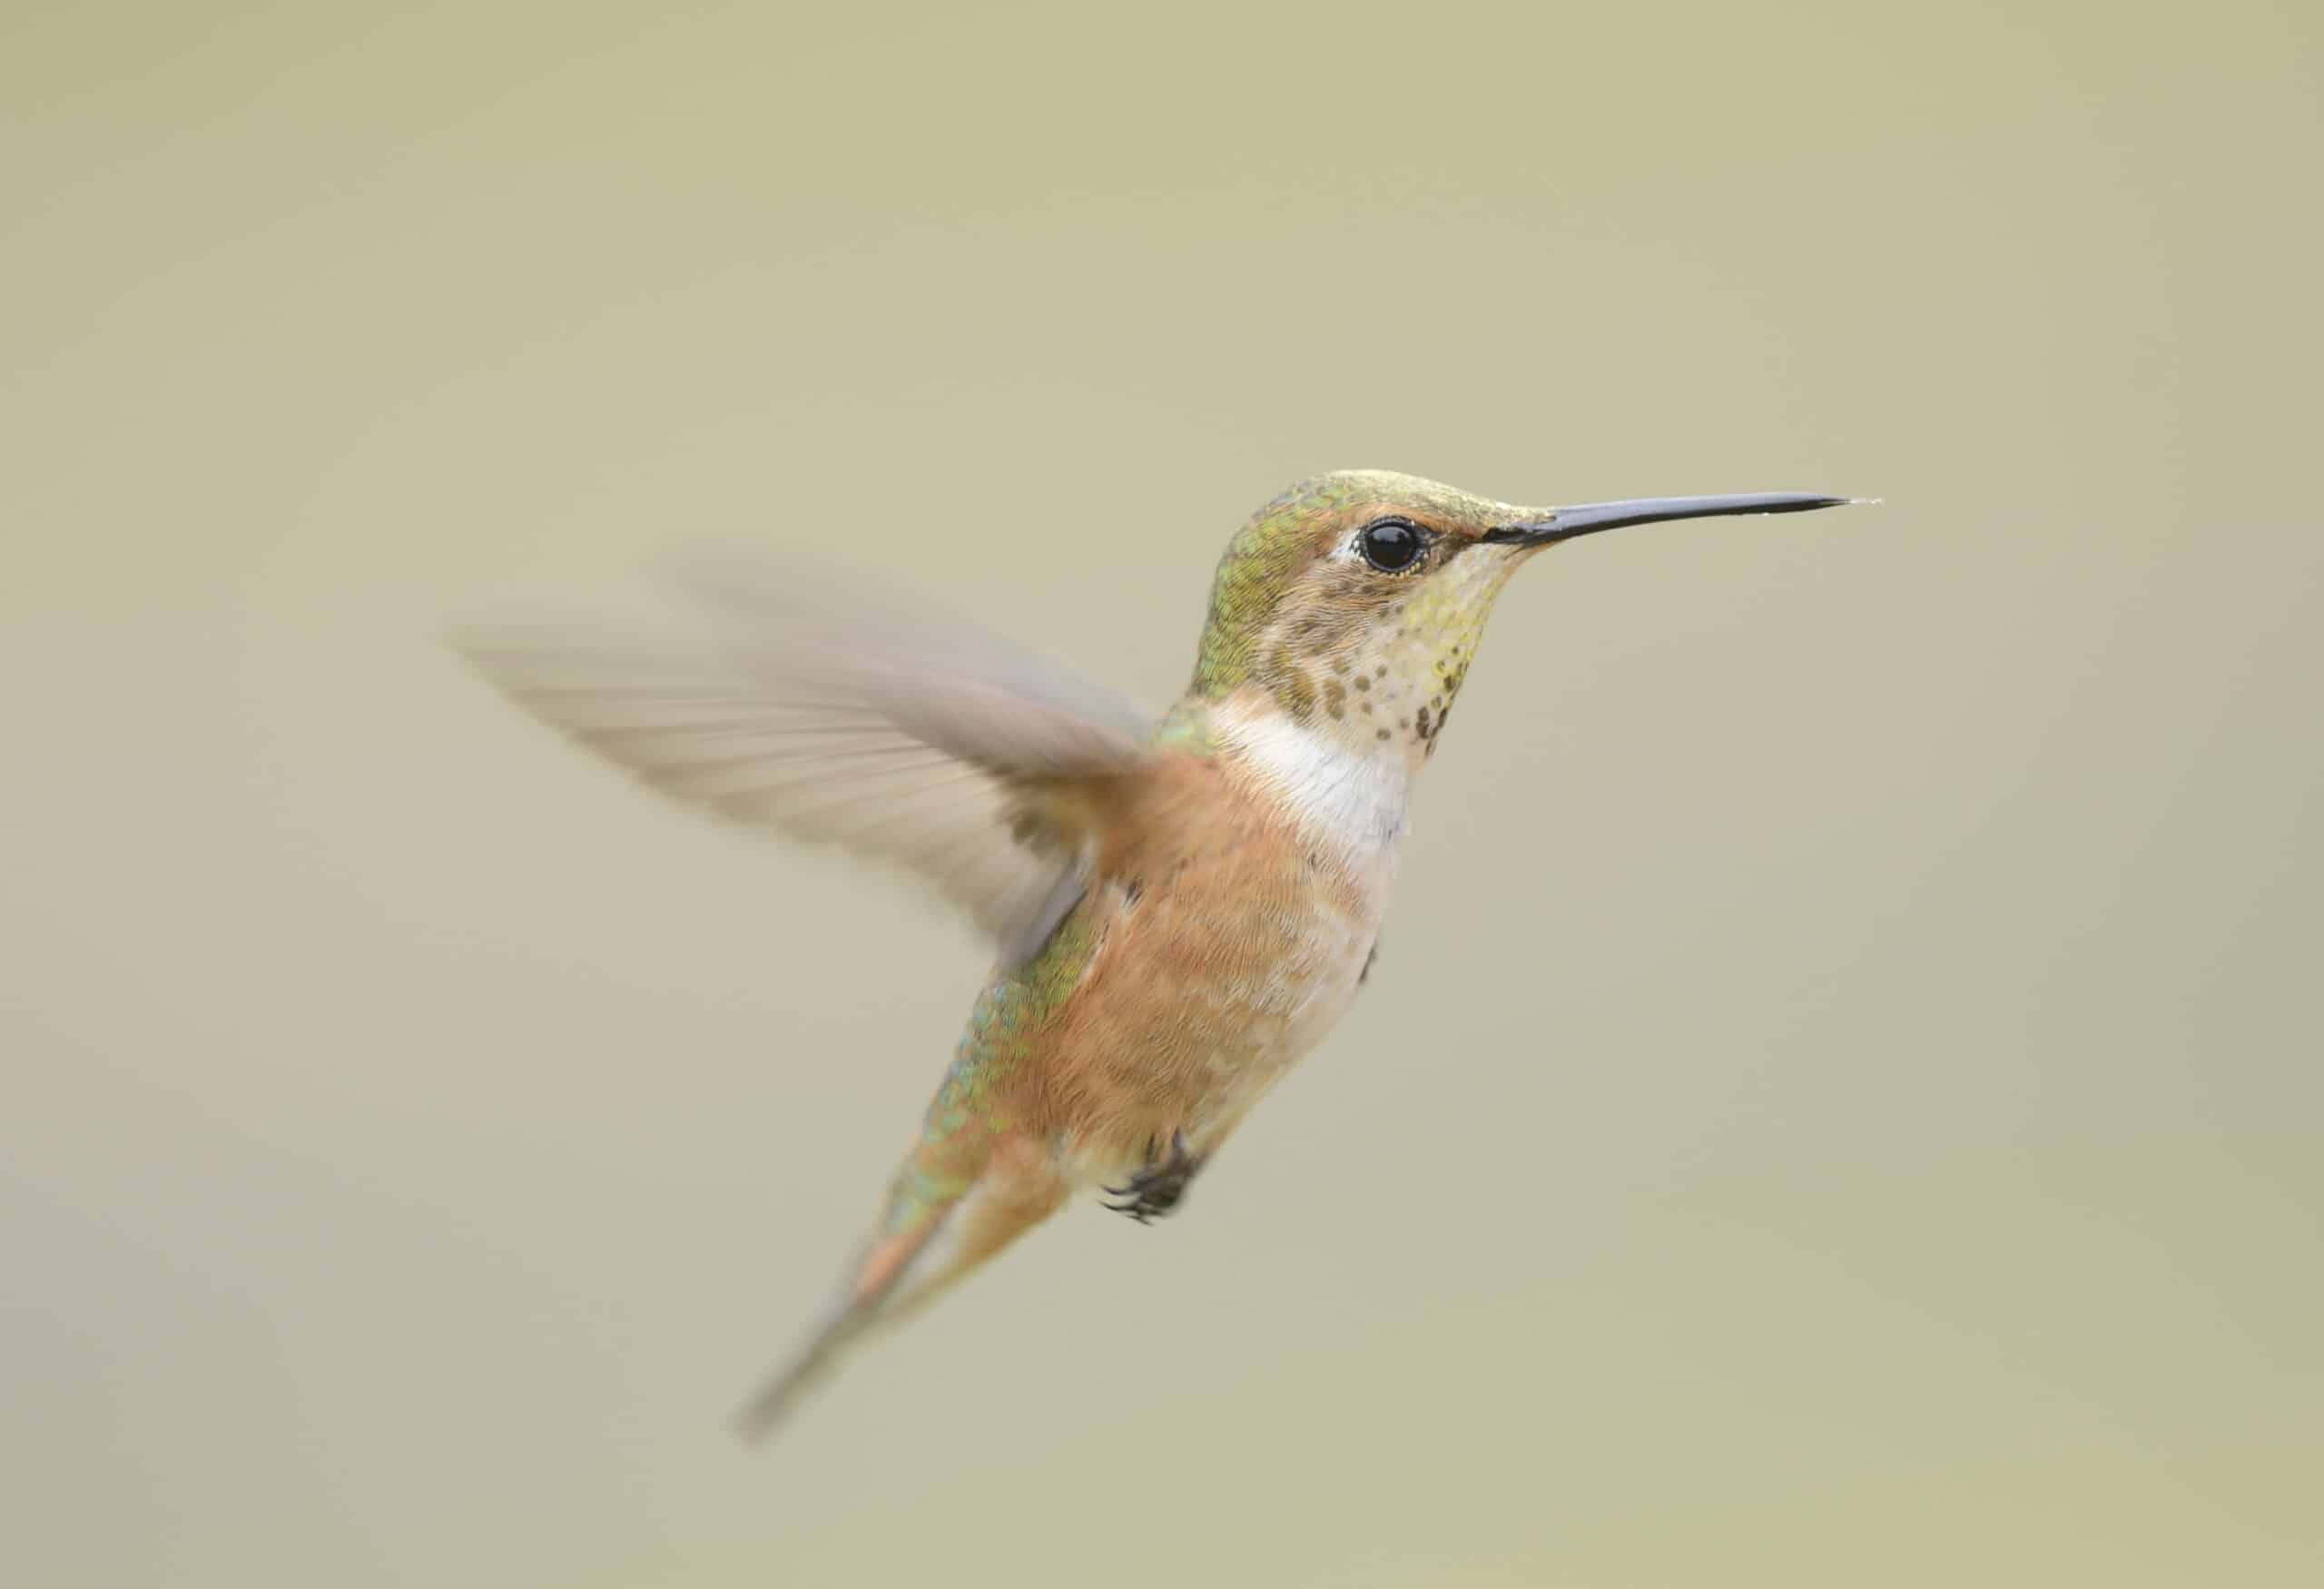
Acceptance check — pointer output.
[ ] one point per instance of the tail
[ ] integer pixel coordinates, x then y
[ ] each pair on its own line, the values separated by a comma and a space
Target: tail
938, 1227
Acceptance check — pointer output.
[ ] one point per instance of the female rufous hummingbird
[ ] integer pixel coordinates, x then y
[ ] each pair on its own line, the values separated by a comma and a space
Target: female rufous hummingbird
1183, 906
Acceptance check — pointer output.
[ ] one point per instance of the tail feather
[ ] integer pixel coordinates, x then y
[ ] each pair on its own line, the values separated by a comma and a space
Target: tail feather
877, 1276
776, 1398
931, 1238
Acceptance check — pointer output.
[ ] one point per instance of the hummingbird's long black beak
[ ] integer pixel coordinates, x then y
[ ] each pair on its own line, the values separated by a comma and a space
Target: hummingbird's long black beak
1565, 523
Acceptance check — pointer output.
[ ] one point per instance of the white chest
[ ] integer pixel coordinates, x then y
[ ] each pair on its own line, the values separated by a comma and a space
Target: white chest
1355, 800
1350, 808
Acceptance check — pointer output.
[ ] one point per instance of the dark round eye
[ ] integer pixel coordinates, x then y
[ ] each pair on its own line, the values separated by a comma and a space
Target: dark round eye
1391, 545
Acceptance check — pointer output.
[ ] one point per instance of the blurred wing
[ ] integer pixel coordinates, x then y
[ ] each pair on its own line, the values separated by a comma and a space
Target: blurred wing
830, 714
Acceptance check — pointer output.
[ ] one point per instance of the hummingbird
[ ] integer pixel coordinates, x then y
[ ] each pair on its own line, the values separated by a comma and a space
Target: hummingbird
1182, 904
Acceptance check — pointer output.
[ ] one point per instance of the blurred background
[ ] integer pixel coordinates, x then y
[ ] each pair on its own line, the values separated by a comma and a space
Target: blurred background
1839, 1097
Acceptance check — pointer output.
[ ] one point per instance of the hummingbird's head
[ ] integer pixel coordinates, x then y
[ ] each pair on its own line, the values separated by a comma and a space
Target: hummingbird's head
1356, 599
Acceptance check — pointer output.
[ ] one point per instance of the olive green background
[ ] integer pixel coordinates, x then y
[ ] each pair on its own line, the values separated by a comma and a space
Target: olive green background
1839, 1100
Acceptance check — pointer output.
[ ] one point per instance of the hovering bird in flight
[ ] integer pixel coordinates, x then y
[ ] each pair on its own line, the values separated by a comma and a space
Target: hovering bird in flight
1183, 906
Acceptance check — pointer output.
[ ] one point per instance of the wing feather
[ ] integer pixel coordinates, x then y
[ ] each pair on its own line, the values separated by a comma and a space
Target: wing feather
835, 715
